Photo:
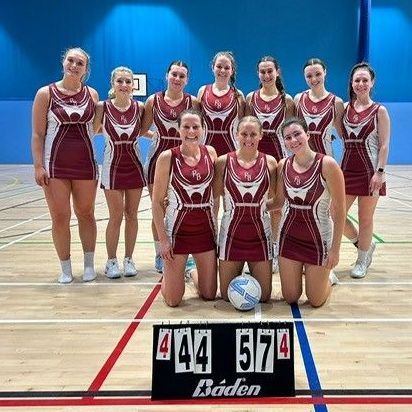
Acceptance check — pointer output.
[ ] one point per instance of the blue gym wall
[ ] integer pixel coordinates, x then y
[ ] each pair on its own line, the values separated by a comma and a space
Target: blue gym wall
148, 35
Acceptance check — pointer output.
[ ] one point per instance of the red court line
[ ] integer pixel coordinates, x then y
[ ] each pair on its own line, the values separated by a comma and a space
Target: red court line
114, 356
335, 400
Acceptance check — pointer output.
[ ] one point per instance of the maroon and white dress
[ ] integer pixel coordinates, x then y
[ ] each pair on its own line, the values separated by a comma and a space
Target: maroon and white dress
306, 227
245, 231
68, 148
166, 130
122, 166
271, 114
361, 150
189, 220
221, 119
319, 117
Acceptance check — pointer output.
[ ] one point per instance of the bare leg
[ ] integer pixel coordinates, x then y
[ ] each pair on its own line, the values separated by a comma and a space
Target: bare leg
206, 264
132, 200
228, 270
291, 273
262, 271
317, 285
366, 211
114, 199
173, 283
58, 199
84, 196
350, 230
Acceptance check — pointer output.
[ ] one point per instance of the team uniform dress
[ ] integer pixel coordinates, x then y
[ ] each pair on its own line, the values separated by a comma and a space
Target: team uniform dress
122, 166
319, 117
271, 115
221, 119
245, 231
361, 149
306, 228
166, 130
68, 149
189, 220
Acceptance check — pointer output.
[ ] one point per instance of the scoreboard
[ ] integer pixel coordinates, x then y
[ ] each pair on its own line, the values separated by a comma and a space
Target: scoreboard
209, 360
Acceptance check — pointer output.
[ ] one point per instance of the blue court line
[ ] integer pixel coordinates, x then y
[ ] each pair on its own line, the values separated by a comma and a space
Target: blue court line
310, 367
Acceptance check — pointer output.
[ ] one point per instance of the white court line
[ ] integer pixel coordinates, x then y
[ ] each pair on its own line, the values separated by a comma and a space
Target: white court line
185, 321
25, 237
25, 221
33, 233
258, 312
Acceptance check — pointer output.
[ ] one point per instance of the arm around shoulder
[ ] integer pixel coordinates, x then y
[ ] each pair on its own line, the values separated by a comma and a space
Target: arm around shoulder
148, 115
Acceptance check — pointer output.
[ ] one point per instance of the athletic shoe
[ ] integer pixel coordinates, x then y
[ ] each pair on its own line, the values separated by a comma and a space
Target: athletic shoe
89, 274
112, 270
360, 269
65, 278
159, 264
129, 267
333, 279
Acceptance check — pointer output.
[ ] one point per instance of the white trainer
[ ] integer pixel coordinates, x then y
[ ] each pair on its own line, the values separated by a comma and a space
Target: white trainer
360, 269
112, 270
129, 267
89, 274
333, 279
65, 278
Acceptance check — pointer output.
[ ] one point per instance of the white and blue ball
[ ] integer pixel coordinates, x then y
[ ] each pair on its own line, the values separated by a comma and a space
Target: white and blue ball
244, 292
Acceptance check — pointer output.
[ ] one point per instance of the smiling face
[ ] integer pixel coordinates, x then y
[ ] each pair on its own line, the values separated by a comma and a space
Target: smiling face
177, 77
190, 128
222, 69
267, 73
362, 82
314, 75
122, 83
75, 64
295, 137
249, 134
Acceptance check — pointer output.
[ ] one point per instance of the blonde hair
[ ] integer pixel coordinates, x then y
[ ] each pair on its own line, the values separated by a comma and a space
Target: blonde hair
85, 54
252, 119
113, 75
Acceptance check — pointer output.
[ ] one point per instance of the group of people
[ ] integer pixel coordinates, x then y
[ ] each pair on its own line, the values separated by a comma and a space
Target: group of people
268, 156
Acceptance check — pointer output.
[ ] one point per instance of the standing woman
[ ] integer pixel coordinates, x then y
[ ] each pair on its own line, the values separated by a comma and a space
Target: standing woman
245, 178
184, 175
222, 104
309, 241
63, 157
122, 171
366, 137
271, 105
321, 110
162, 109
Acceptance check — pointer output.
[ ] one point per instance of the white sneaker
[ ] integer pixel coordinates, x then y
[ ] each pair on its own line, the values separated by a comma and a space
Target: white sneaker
360, 269
333, 279
65, 278
89, 274
112, 270
128, 267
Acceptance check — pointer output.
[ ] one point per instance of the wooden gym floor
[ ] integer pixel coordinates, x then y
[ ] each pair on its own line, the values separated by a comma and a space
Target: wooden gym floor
88, 346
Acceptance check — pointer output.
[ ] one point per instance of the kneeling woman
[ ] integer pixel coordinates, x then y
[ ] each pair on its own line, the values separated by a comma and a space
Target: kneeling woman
244, 178
184, 175
309, 241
